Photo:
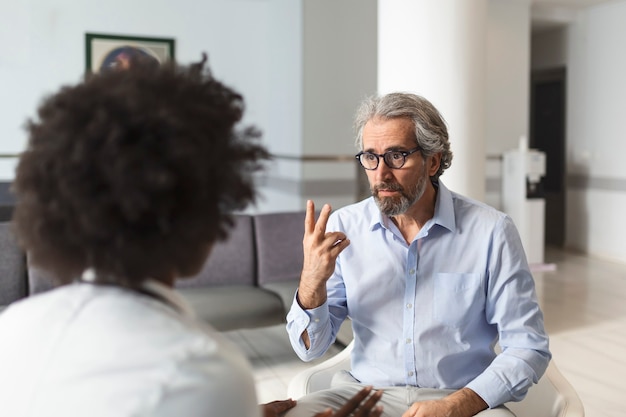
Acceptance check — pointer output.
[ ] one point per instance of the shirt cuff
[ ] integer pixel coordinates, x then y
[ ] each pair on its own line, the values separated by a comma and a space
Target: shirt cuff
491, 389
311, 320
315, 317
318, 317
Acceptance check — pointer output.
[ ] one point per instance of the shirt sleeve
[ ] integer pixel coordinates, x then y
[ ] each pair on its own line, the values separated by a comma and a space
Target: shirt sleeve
316, 322
512, 305
321, 323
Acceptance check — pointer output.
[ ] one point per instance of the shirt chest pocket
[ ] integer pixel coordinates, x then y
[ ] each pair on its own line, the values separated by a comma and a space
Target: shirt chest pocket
458, 298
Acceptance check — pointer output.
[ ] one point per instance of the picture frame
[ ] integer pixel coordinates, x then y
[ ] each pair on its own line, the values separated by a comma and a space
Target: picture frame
102, 50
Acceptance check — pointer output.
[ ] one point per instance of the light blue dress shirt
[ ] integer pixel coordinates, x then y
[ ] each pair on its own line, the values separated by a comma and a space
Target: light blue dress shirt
429, 313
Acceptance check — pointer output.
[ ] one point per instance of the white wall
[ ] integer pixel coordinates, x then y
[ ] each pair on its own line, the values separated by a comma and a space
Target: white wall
596, 142
43, 48
507, 95
323, 63
284, 88
508, 76
340, 54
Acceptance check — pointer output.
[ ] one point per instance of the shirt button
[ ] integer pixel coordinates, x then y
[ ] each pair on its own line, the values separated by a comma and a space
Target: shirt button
410, 373
412, 271
317, 320
408, 341
409, 305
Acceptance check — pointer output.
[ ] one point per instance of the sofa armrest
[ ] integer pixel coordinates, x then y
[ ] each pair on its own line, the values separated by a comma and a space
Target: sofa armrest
318, 377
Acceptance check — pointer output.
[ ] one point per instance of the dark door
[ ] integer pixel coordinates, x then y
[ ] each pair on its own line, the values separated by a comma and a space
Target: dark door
547, 133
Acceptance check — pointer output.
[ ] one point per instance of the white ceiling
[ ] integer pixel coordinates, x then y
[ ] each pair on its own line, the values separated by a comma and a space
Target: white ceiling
548, 14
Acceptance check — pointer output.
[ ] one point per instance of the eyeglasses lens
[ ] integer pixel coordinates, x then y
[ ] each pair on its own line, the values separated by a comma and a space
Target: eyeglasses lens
369, 160
394, 159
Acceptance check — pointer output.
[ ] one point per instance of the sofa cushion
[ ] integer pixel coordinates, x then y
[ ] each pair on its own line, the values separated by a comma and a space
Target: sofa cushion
231, 262
12, 267
279, 246
235, 307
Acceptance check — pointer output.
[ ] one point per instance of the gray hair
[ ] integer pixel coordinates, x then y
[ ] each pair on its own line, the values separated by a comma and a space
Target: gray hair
431, 133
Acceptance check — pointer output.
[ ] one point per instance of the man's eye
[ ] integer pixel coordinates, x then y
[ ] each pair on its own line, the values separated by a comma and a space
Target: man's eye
396, 155
370, 157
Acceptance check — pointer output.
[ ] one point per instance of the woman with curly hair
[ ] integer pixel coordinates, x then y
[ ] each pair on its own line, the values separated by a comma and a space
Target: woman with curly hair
128, 179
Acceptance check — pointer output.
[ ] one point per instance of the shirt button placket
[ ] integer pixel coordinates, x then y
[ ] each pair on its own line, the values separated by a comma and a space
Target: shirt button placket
409, 314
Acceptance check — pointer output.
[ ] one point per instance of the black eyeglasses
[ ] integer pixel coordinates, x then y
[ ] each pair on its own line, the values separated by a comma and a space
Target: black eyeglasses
393, 159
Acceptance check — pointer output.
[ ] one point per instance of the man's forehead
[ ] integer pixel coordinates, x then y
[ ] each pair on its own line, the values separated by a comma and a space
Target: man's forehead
389, 134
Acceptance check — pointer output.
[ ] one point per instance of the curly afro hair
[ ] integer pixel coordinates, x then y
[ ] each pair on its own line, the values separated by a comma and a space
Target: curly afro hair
134, 173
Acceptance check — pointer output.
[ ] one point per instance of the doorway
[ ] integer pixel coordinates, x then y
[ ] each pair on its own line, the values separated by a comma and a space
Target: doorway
547, 133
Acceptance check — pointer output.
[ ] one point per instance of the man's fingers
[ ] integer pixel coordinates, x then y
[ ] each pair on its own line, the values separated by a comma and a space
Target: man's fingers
323, 219
332, 238
309, 218
338, 246
310, 225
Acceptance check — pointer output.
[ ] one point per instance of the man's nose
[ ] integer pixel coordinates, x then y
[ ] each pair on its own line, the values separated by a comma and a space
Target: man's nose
383, 171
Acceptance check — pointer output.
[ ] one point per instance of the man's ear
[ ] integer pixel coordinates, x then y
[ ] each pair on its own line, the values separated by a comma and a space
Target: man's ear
434, 161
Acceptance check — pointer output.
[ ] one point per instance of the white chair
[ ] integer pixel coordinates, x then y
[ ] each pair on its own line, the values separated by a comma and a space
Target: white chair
553, 396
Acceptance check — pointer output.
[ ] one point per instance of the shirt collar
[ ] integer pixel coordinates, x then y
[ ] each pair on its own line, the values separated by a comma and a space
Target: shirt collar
444, 208
373, 213
150, 287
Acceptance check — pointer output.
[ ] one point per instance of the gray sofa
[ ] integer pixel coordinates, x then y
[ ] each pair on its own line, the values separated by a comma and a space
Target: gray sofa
248, 281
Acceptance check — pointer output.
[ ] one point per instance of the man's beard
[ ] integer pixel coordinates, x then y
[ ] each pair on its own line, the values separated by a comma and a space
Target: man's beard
394, 206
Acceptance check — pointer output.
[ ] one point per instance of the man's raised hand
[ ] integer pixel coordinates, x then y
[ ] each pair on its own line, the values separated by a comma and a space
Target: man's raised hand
321, 249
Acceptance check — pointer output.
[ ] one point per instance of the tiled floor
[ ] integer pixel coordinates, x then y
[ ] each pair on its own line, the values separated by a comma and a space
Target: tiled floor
584, 302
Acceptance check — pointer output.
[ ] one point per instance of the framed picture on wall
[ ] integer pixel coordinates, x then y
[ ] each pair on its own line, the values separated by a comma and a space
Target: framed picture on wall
116, 51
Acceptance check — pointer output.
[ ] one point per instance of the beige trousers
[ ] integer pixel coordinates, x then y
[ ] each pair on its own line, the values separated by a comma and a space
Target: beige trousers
395, 400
